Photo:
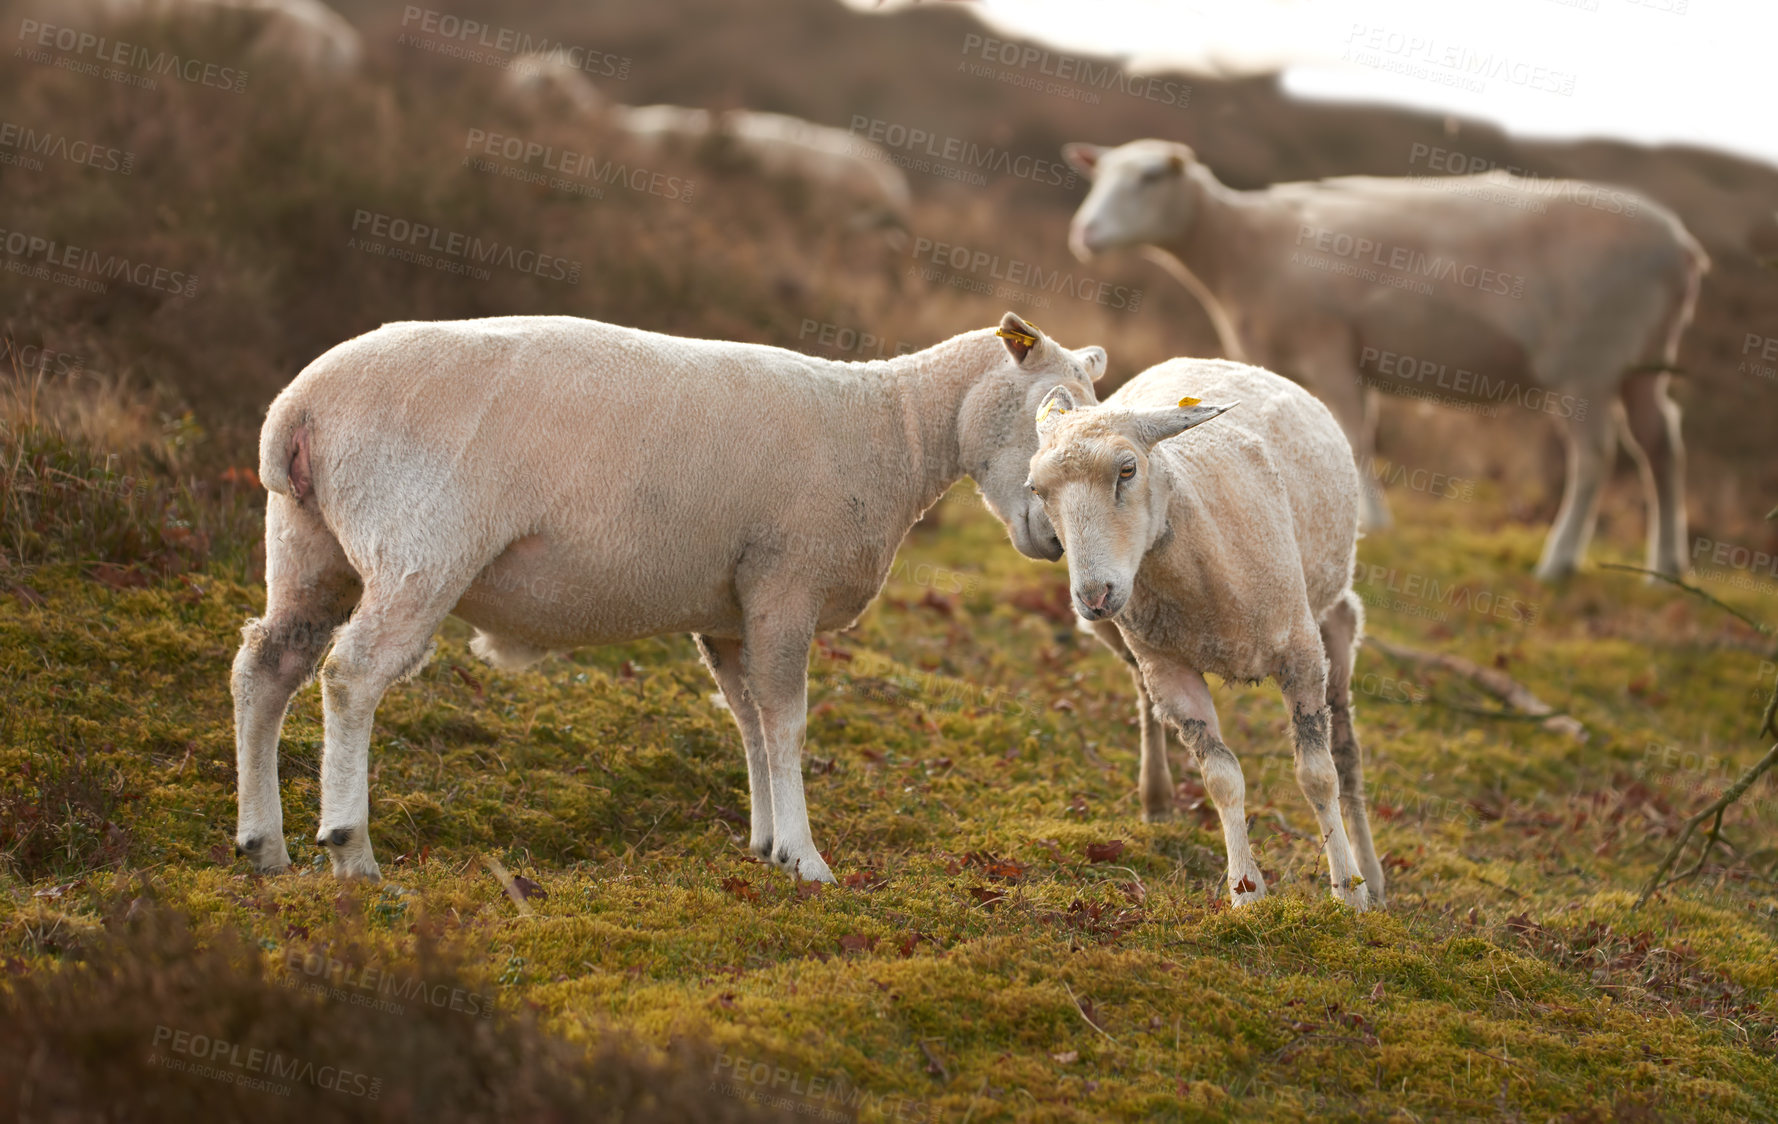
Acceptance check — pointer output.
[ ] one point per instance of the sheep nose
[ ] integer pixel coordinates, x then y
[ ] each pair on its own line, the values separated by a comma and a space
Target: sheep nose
1094, 597
1084, 241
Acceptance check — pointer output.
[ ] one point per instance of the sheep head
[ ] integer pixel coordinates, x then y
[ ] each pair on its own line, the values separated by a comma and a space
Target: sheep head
995, 431
1144, 192
1095, 477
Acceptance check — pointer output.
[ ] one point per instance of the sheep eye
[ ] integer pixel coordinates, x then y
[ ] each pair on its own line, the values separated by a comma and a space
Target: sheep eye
1126, 472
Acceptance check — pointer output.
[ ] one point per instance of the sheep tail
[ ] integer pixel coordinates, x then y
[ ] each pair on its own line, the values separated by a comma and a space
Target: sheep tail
284, 451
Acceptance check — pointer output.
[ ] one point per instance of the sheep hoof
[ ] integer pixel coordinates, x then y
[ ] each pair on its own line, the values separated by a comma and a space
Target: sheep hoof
265, 858
1355, 896
349, 848
1157, 815
1554, 572
809, 867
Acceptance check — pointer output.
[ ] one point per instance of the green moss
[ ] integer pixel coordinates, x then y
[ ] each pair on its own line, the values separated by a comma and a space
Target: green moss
952, 733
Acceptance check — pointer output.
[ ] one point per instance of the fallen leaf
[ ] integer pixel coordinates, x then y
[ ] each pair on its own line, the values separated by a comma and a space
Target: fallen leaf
1377, 992
912, 941
939, 602
1245, 886
807, 890
857, 942
1105, 852
528, 889
740, 888
471, 682
866, 879
986, 897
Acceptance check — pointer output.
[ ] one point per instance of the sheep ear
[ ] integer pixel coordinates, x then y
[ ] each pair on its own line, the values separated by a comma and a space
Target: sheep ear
1056, 403
1093, 359
1021, 337
1083, 158
1153, 426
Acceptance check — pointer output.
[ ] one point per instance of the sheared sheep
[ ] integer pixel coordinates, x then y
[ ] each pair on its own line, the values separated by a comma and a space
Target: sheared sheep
777, 144
559, 482
1229, 551
1553, 294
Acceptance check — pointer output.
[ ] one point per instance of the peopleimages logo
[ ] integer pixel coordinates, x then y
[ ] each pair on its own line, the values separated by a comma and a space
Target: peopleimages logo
1067, 76
452, 251
39, 38
936, 257
455, 36
87, 269
1408, 261
912, 145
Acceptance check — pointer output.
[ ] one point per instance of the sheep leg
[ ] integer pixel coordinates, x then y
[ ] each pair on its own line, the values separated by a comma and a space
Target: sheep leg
1340, 630
775, 666
1592, 441
723, 658
387, 639
310, 589
1154, 783
1304, 681
1653, 421
1183, 698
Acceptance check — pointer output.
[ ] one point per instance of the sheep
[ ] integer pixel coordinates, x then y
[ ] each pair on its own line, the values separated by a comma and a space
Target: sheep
305, 33
1228, 551
777, 144
1556, 294
559, 482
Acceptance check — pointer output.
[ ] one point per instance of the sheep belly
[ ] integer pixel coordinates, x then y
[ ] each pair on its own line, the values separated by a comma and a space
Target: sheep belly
543, 594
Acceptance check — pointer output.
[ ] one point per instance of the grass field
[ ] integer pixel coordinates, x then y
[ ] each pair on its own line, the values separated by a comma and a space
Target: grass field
569, 924
1007, 940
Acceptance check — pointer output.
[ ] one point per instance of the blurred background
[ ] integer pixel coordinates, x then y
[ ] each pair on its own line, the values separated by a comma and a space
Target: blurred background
257, 187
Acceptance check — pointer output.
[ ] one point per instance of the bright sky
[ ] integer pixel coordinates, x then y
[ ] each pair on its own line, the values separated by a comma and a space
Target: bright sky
1656, 71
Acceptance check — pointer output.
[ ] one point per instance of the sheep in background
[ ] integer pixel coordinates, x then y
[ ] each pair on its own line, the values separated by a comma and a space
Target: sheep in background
307, 33
1227, 551
1556, 295
559, 482
779, 145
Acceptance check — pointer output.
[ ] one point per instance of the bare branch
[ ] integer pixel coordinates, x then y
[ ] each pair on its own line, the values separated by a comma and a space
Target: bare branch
1762, 629
1497, 683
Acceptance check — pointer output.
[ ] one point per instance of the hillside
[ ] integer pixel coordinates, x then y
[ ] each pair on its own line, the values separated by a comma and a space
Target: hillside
570, 921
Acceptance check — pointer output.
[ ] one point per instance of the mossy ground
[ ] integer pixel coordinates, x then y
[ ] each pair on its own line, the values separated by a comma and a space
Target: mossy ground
966, 749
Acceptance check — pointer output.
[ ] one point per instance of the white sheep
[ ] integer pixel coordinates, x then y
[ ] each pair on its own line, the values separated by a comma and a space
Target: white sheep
779, 145
1557, 295
1228, 551
559, 482
306, 33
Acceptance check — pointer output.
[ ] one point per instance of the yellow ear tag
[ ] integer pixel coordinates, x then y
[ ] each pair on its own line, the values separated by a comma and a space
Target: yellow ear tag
1017, 337
1045, 412
1187, 402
